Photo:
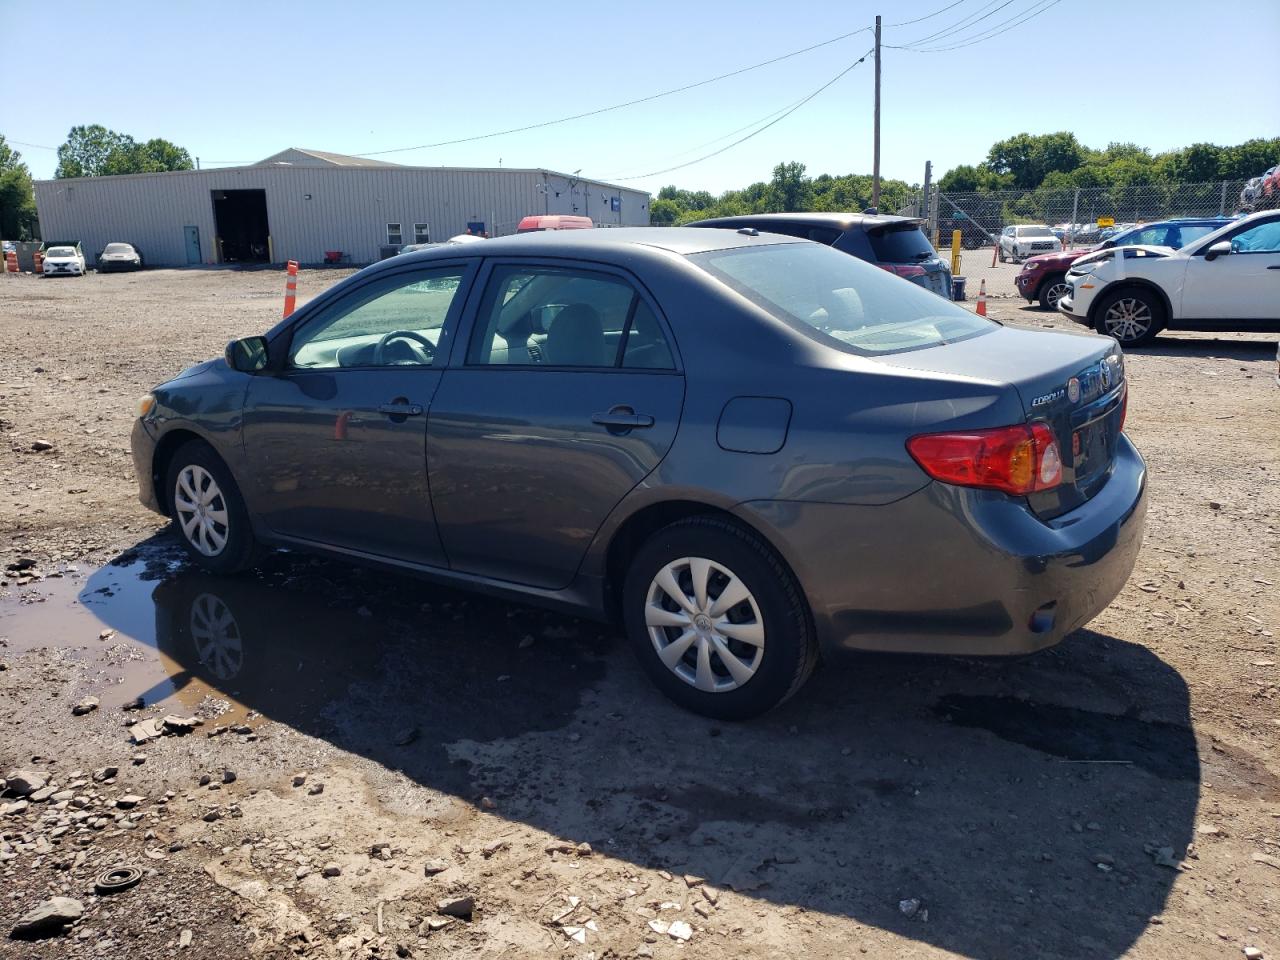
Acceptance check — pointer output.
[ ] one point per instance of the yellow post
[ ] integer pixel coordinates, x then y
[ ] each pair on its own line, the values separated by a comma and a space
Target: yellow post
955, 253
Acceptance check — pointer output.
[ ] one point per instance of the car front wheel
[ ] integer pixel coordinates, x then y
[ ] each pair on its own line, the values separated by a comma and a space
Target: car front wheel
1053, 290
207, 509
1132, 316
717, 620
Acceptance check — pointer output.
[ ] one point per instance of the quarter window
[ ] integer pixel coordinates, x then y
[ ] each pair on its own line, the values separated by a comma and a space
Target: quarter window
396, 321
421, 233
553, 317
394, 236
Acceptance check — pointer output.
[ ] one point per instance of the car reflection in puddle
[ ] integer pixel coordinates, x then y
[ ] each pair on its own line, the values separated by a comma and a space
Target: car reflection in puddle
329, 649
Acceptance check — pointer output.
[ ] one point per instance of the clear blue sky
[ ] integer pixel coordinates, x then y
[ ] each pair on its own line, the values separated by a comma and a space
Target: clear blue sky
237, 81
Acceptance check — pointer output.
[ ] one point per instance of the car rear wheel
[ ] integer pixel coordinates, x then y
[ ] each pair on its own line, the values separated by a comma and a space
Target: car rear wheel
717, 620
1053, 290
1132, 316
1000, 253
207, 509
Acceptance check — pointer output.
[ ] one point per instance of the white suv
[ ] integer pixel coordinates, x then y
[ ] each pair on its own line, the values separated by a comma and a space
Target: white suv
1019, 242
1228, 280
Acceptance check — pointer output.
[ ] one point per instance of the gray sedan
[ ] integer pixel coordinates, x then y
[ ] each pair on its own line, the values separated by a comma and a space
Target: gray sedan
745, 448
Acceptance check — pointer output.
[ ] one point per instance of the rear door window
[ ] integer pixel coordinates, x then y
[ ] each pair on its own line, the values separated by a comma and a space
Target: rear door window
564, 317
901, 245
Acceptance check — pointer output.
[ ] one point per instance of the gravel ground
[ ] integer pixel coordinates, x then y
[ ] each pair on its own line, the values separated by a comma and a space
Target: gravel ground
374, 746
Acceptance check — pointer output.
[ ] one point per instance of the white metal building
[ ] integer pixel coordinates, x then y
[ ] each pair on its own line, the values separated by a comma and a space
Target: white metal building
301, 204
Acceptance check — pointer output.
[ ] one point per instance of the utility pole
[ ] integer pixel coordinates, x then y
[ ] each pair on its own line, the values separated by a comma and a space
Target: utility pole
875, 154
924, 194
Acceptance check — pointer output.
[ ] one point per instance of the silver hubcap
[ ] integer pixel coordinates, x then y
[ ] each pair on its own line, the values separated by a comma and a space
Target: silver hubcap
217, 636
1056, 293
705, 624
201, 510
1127, 319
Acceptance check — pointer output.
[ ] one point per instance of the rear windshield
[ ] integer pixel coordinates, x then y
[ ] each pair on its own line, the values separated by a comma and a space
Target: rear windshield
840, 300
118, 248
901, 245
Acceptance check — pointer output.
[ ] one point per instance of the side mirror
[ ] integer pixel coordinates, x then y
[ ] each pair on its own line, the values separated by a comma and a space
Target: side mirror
1219, 249
248, 355
1108, 244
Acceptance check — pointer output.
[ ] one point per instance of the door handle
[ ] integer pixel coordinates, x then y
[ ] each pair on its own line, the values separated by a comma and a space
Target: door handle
1274, 266
621, 418
401, 409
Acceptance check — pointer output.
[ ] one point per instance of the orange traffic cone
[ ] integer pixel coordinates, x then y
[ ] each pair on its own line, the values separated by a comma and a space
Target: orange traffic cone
982, 298
290, 287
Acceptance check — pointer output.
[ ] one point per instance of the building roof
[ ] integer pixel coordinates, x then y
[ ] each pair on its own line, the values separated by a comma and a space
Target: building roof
299, 156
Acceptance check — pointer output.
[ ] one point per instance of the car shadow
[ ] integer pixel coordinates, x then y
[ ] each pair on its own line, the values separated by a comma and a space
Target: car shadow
989, 807
1205, 346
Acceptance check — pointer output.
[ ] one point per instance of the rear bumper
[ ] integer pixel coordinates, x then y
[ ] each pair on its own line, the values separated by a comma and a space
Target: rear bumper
958, 571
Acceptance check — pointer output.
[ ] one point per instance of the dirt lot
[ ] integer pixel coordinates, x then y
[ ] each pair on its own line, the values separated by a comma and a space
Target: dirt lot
374, 746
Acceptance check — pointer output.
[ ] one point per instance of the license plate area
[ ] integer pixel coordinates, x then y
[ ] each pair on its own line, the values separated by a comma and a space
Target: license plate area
1093, 445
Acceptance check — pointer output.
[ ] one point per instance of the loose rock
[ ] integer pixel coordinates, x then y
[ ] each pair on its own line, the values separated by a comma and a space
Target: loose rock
24, 782
460, 907
48, 919
87, 705
331, 870
435, 865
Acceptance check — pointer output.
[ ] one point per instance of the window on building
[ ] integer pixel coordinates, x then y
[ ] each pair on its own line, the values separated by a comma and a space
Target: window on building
393, 234
421, 233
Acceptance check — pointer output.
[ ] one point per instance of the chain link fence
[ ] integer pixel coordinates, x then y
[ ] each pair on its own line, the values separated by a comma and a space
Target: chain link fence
1074, 212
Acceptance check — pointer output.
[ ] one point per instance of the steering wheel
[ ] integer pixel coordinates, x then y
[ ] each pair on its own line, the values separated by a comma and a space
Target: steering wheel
416, 337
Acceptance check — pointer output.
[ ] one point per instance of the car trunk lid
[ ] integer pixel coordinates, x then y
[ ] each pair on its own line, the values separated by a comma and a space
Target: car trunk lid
1075, 383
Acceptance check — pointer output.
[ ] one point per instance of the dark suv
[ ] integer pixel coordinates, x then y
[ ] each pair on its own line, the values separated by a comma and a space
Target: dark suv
896, 244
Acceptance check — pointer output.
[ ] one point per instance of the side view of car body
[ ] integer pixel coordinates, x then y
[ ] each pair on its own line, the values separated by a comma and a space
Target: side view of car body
896, 244
1044, 277
1226, 280
119, 256
743, 448
63, 260
1026, 240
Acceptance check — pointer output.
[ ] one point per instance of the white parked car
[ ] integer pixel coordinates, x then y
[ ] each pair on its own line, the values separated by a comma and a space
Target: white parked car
1228, 280
64, 262
1022, 241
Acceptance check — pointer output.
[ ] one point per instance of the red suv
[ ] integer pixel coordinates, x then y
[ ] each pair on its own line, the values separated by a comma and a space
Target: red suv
1043, 277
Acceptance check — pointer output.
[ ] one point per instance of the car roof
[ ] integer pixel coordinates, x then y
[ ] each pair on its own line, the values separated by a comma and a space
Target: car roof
841, 221
603, 241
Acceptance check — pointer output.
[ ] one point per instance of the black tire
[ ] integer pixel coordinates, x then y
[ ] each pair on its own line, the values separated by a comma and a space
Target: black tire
1000, 252
1053, 289
789, 652
1132, 300
237, 550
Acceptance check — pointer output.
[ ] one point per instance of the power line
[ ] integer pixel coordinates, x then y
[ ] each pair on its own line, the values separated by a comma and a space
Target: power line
927, 16
33, 146
962, 24
754, 133
618, 106
1030, 14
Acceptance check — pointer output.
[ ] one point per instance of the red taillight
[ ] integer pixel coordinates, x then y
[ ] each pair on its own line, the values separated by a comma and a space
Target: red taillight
1020, 459
903, 269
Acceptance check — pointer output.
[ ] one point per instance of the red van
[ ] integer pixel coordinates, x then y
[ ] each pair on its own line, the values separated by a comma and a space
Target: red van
553, 222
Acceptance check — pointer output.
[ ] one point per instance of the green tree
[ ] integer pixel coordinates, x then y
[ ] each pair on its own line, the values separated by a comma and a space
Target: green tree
87, 150
17, 199
664, 212
789, 190
95, 151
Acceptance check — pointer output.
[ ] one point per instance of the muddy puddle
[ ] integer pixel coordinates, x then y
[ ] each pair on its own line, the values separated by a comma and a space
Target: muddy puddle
284, 642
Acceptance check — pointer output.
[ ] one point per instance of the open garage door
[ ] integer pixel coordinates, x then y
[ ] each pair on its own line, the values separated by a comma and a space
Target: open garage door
241, 220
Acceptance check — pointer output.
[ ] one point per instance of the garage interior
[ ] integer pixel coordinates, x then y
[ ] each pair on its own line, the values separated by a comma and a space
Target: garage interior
241, 220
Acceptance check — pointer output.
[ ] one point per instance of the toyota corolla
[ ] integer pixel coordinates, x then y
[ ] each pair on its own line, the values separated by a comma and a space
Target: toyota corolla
746, 449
